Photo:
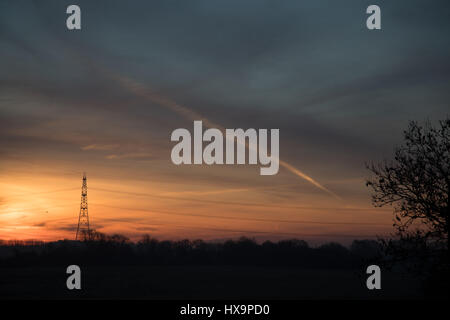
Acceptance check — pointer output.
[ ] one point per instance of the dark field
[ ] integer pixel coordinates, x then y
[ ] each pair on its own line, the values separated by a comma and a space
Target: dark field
201, 282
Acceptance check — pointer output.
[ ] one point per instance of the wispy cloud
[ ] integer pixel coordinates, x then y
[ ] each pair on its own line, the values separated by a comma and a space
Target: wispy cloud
101, 147
132, 155
139, 89
202, 193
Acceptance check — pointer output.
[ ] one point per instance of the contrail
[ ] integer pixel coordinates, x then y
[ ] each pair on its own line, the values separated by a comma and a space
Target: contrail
140, 90
300, 174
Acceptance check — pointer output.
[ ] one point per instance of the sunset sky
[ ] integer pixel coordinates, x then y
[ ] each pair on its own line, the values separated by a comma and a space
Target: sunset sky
105, 100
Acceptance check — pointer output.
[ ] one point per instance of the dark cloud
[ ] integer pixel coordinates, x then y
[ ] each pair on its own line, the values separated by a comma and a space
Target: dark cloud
40, 224
311, 69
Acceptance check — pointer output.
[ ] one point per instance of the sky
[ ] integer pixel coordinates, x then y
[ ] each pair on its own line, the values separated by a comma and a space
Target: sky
105, 99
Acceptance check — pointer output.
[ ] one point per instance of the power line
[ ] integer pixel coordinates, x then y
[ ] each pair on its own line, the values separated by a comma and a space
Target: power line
243, 218
231, 202
41, 192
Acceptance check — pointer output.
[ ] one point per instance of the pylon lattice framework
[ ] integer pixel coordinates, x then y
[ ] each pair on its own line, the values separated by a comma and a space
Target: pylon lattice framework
83, 230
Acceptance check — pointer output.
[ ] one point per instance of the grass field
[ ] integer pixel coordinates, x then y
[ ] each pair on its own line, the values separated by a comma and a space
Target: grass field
201, 282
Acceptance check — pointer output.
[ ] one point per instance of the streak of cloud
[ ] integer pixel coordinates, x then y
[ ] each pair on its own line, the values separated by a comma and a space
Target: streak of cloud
231, 203
244, 218
101, 147
132, 155
300, 174
202, 193
139, 89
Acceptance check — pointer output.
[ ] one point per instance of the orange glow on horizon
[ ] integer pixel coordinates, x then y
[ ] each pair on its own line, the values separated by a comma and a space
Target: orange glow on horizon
33, 210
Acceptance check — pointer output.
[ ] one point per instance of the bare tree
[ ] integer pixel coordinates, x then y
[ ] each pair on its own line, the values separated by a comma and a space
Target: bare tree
417, 183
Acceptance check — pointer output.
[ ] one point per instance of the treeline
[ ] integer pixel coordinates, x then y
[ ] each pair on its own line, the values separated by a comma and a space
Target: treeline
118, 250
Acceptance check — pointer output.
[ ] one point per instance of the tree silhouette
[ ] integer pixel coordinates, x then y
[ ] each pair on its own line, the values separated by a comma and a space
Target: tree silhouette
417, 182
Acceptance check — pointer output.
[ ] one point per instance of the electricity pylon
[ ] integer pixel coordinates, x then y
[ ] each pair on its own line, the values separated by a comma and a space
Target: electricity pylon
83, 231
